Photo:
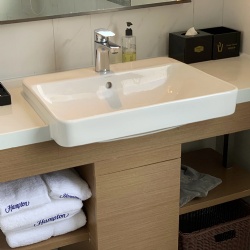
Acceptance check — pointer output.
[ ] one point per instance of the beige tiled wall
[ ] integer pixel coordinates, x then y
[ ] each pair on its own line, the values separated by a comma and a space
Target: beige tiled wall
26, 49
40, 47
62, 44
236, 15
207, 13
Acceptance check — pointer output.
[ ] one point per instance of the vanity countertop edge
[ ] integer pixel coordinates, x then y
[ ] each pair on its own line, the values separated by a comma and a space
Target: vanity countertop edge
21, 125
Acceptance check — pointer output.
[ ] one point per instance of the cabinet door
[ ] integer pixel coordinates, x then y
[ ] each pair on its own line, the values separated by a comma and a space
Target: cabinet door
138, 208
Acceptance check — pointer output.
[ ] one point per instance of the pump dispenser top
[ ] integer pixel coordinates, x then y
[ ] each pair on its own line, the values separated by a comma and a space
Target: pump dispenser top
129, 31
128, 45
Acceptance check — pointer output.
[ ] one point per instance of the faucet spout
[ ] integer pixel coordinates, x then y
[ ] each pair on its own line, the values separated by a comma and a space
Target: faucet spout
114, 48
103, 48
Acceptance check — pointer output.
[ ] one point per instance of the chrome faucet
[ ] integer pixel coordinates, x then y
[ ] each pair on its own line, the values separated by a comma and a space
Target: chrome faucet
102, 49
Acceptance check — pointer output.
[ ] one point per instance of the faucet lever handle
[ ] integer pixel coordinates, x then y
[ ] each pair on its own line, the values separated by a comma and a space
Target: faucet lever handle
102, 35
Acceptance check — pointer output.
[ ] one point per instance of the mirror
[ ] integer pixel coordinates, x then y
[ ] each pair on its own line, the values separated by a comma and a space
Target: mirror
12, 11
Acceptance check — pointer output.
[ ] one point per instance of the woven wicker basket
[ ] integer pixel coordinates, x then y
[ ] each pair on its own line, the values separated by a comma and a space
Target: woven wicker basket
221, 227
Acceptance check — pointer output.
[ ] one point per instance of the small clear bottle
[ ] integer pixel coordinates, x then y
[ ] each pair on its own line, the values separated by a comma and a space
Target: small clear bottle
128, 45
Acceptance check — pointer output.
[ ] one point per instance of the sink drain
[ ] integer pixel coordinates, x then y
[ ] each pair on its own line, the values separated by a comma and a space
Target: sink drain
109, 85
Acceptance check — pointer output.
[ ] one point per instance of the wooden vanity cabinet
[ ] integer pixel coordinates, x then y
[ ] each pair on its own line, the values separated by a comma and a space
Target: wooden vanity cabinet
135, 201
135, 184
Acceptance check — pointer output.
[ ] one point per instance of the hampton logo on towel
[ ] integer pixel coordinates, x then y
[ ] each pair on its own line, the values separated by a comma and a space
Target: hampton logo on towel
51, 219
11, 207
68, 196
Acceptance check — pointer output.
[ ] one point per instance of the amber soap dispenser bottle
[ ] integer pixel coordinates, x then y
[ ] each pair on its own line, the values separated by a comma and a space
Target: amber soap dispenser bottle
128, 45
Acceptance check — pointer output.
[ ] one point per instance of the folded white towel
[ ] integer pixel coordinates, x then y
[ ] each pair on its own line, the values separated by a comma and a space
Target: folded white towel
34, 235
57, 210
66, 184
22, 194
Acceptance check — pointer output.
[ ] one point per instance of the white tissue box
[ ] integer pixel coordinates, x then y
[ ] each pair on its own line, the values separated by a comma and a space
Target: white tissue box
190, 49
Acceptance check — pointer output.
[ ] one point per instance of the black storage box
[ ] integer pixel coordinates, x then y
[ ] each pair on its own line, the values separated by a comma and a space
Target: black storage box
221, 227
226, 42
190, 49
5, 98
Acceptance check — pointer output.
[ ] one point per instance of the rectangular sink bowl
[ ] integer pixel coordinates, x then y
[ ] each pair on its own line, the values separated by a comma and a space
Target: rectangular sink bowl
134, 99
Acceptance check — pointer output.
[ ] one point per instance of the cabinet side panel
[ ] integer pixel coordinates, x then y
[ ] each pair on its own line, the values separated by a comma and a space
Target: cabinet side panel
87, 172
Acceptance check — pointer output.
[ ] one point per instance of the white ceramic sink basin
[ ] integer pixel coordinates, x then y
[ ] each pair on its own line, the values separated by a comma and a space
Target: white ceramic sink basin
146, 96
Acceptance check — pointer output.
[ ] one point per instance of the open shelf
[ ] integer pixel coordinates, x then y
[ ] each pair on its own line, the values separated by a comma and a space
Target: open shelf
235, 180
79, 235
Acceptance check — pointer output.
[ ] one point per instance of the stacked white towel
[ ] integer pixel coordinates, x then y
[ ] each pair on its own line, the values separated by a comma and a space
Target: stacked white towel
36, 208
22, 194
33, 235
66, 184
56, 210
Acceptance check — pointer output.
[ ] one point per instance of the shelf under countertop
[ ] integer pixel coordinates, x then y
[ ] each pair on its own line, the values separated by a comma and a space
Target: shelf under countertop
235, 180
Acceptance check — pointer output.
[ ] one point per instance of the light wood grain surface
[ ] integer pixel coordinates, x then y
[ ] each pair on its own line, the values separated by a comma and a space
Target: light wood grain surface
135, 183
